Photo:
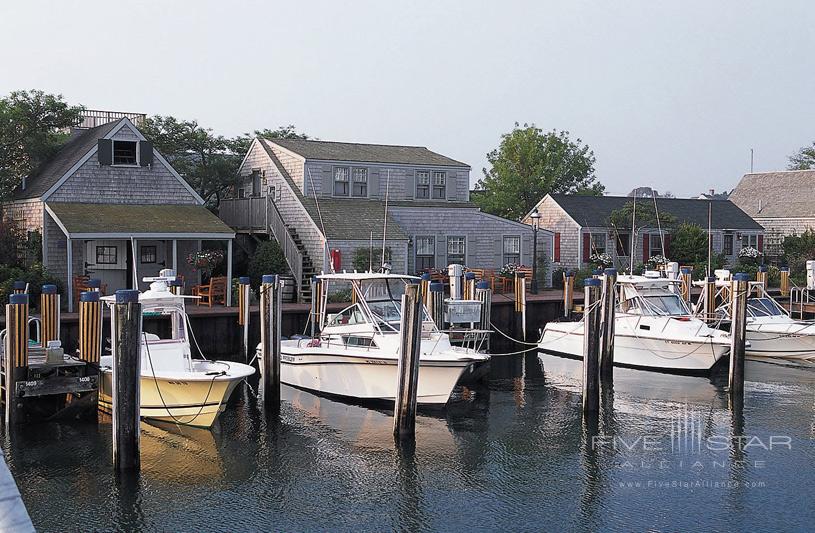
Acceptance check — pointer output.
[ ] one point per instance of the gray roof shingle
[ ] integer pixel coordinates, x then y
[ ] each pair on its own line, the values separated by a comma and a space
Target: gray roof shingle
49, 173
785, 194
594, 211
366, 153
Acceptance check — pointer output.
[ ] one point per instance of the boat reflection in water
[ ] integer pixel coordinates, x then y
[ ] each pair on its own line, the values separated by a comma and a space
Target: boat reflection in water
181, 454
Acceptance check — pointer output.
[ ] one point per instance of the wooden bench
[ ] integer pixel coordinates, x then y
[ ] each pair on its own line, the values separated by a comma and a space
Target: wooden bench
212, 292
484, 274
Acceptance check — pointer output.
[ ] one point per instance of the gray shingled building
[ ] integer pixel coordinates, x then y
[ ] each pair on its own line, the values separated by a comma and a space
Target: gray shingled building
324, 200
110, 206
780, 201
581, 227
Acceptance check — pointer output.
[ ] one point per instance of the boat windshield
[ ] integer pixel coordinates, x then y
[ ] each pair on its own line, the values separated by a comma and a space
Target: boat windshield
658, 304
384, 298
764, 307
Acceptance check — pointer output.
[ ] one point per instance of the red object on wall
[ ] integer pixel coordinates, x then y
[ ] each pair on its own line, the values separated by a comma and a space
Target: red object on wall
646, 252
557, 248
761, 243
586, 246
336, 260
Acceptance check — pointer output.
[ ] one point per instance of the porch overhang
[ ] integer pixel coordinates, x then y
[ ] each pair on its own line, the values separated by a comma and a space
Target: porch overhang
137, 221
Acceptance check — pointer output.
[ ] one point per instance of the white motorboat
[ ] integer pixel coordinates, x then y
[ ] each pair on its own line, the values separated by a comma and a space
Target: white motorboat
771, 331
356, 352
174, 386
654, 329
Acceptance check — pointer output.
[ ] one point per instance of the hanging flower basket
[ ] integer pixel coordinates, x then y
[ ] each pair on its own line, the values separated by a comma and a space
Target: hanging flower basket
509, 270
205, 261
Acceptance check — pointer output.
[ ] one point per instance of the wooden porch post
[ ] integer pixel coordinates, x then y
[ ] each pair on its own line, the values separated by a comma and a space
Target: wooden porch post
175, 256
229, 272
70, 284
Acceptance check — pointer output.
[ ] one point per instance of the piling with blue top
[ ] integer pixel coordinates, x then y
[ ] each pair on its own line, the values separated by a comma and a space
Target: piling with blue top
687, 283
709, 299
125, 388
738, 332
15, 355
469, 285
271, 312
90, 327
761, 275
177, 287
19, 287
785, 281
426, 278
94, 284
436, 307
243, 312
607, 321
49, 314
591, 346
483, 293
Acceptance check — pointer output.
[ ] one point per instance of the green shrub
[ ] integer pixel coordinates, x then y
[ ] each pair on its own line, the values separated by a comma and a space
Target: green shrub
36, 276
341, 296
267, 259
363, 258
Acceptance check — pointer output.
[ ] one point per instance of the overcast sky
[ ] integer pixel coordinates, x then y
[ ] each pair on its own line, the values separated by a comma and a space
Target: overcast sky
668, 94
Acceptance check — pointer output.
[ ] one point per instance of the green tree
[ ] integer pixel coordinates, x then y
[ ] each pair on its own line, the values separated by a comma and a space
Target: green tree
689, 244
623, 220
33, 125
803, 159
267, 259
529, 164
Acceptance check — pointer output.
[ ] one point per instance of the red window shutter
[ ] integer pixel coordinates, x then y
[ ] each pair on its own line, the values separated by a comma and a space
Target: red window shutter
646, 253
667, 238
586, 246
557, 248
761, 243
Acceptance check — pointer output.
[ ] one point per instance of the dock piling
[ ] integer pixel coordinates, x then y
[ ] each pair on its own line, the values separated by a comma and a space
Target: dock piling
127, 331
404, 412
176, 287
738, 330
591, 346
436, 307
785, 281
19, 287
761, 275
709, 299
520, 300
15, 355
687, 283
469, 285
568, 293
49, 314
271, 299
90, 327
425, 283
456, 275
243, 313
607, 315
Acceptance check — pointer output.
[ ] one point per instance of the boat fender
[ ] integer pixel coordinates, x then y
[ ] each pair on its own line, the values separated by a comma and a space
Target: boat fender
314, 343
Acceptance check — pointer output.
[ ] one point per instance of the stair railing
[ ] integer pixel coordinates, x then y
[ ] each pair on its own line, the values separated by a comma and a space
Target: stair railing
293, 255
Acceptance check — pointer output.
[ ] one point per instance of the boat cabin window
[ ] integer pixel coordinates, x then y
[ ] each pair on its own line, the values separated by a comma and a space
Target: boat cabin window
661, 303
171, 329
349, 316
354, 340
763, 307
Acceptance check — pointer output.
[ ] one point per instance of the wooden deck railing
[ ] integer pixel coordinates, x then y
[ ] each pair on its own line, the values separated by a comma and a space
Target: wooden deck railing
244, 213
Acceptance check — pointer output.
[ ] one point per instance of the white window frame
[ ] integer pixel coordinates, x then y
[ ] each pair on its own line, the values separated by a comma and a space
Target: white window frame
433, 186
464, 252
416, 250
593, 239
505, 254
732, 244
429, 184
751, 238
113, 162
354, 182
626, 249
347, 181
654, 250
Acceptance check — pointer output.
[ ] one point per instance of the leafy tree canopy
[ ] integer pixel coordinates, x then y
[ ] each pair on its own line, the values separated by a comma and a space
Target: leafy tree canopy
33, 125
529, 164
689, 244
645, 216
803, 159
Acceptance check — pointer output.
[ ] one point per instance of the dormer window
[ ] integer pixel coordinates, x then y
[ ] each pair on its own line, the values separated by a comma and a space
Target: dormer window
341, 181
124, 152
359, 183
422, 184
439, 185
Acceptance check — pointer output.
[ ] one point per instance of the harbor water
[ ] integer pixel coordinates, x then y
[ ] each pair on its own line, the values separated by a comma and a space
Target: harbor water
513, 453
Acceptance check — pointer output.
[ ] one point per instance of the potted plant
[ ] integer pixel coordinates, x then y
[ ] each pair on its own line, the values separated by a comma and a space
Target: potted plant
205, 261
601, 260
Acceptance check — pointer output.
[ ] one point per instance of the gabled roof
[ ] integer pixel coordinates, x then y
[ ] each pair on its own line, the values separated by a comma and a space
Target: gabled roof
366, 153
49, 173
594, 211
785, 194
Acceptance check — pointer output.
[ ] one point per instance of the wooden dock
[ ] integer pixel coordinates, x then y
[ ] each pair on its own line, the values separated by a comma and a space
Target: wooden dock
13, 514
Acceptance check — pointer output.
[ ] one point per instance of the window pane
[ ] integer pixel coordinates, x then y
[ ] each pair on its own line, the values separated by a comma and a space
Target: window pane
598, 243
340, 174
512, 244
422, 177
148, 254
361, 175
623, 245
439, 178
456, 252
106, 255
655, 245
124, 152
425, 245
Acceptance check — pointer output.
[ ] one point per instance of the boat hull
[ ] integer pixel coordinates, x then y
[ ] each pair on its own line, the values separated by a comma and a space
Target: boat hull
780, 344
663, 355
368, 378
189, 400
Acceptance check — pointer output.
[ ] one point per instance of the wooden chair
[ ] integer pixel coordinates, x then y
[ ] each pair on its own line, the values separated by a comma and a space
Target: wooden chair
80, 285
508, 284
211, 292
484, 274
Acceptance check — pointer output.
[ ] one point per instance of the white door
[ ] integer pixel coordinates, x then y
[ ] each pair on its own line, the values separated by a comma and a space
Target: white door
107, 261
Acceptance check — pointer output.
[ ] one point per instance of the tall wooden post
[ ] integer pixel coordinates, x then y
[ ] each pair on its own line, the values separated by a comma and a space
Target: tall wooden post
738, 332
15, 355
591, 346
568, 293
785, 282
127, 332
607, 320
761, 275
469, 285
49, 314
243, 313
316, 303
271, 302
90, 327
483, 293
520, 300
710, 299
426, 280
404, 412
436, 307
687, 283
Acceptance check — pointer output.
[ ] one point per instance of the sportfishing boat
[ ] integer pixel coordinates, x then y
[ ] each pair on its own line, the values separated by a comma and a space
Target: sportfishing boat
654, 329
174, 386
356, 352
771, 331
